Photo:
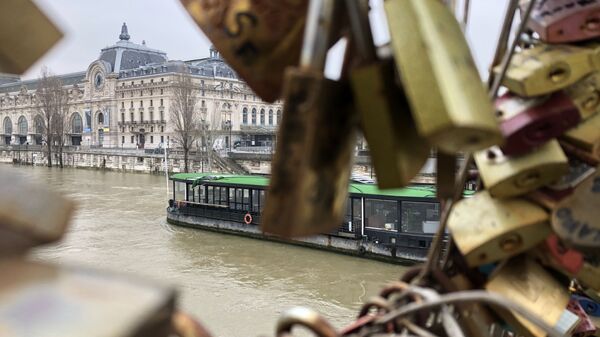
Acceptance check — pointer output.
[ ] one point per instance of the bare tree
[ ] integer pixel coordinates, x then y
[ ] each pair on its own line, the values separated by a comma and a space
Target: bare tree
210, 130
183, 114
51, 100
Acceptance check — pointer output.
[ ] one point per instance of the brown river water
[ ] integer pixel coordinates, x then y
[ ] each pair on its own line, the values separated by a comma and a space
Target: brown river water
236, 286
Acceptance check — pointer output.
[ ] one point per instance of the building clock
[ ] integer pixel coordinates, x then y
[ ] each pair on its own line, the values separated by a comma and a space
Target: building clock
98, 81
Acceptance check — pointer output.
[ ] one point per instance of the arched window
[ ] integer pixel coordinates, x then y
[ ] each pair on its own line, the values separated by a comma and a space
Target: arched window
278, 116
76, 124
245, 116
100, 118
7, 126
270, 116
39, 124
22, 126
253, 116
262, 116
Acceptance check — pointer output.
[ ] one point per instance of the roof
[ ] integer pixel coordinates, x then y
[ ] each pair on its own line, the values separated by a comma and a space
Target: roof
67, 79
416, 191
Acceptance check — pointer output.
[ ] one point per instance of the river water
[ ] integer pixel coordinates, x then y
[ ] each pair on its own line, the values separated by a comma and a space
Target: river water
236, 286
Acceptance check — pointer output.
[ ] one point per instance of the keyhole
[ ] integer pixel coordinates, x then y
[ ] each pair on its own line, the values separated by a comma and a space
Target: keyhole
511, 243
558, 75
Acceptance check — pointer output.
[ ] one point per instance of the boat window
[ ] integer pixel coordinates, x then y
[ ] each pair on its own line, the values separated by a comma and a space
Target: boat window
210, 196
262, 200
255, 201
202, 193
224, 196
420, 217
190, 193
179, 191
356, 213
347, 225
246, 199
232, 198
381, 214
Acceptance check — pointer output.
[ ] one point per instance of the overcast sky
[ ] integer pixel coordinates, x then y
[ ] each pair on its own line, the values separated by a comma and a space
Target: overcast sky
90, 25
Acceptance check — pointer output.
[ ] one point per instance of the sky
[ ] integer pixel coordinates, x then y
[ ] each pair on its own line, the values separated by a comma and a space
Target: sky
90, 25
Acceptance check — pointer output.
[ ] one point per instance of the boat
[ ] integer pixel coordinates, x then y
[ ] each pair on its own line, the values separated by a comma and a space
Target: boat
395, 225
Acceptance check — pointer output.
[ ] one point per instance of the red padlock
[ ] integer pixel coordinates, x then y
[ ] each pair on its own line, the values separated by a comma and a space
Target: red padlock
560, 21
568, 259
529, 122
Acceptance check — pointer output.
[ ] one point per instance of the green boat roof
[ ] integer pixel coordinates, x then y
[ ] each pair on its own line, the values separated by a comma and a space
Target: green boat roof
415, 191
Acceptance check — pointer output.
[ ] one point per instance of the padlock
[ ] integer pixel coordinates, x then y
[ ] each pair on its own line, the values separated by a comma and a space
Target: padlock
311, 167
529, 122
36, 214
550, 195
547, 68
397, 150
526, 283
575, 219
258, 39
568, 261
36, 35
505, 176
586, 136
309, 319
563, 21
449, 102
486, 230
585, 94
590, 306
586, 326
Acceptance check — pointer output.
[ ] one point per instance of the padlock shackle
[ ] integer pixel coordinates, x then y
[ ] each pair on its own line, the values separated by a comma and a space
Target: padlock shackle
317, 33
358, 13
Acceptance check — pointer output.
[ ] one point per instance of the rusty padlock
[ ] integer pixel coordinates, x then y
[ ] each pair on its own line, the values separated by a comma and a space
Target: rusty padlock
575, 219
586, 136
545, 68
311, 168
488, 230
585, 94
450, 105
505, 176
259, 39
563, 21
529, 122
526, 282
397, 150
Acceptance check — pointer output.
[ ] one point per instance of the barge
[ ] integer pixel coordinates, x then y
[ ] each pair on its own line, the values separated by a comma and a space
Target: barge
394, 225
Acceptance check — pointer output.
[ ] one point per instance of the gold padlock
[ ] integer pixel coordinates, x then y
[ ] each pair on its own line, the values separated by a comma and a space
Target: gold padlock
505, 176
36, 35
586, 136
525, 282
397, 150
259, 39
546, 68
487, 230
585, 94
575, 219
450, 104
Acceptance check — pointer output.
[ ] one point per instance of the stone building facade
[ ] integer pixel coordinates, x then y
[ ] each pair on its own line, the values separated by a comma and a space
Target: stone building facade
123, 99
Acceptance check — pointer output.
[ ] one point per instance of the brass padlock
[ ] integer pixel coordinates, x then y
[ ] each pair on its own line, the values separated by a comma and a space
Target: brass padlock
311, 168
585, 94
487, 230
525, 282
560, 21
529, 122
547, 68
258, 39
397, 150
26, 35
575, 219
586, 136
450, 105
505, 176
